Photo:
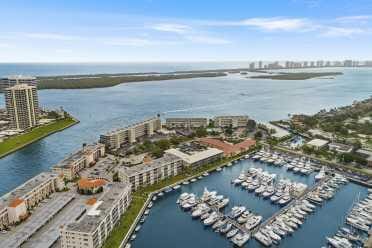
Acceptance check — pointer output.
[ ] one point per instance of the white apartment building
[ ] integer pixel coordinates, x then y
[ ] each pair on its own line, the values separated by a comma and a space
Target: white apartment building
22, 106
10, 81
187, 122
233, 121
150, 172
15, 205
93, 228
130, 134
87, 156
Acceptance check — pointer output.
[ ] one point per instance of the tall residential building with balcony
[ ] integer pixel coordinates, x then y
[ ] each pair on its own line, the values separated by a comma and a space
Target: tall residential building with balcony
130, 134
22, 106
15, 206
92, 229
10, 81
151, 171
186, 122
233, 121
70, 167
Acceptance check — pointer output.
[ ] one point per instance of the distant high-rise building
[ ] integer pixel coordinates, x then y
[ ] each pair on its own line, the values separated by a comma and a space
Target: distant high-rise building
22, 106
10, 81
328, 64
260, 65
312, 64
305, 64
251, 66
348, 63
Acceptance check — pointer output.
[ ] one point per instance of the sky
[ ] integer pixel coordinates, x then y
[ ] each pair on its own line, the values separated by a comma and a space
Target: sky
184, 30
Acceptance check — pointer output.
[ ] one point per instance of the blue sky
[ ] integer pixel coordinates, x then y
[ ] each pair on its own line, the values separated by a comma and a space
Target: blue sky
184, 30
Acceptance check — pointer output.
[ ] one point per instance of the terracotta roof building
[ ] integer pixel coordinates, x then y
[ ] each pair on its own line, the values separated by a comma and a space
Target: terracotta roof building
227, 148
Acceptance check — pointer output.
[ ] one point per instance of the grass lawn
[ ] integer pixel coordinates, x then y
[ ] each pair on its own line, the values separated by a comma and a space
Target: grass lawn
121, 229
14, 143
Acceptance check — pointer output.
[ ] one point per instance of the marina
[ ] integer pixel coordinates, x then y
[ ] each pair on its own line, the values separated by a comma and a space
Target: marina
175, 221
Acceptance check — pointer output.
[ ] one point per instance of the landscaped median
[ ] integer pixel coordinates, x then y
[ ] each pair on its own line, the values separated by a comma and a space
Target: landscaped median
14, 143
139, 198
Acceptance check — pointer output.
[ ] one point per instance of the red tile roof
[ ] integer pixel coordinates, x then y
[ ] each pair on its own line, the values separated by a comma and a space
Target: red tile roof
16, 202
90, 183
227, 148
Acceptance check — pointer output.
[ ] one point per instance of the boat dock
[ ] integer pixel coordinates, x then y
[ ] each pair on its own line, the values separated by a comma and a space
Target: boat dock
288, 206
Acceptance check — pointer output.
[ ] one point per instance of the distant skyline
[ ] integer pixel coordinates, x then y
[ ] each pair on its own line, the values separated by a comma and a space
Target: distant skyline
169, 30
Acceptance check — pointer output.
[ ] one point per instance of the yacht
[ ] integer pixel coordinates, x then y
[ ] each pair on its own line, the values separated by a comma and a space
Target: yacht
225, 228
253, 222
213, 217
284, 199
240, 239
223, 203
269, 192
232, 233
237, 211
263, 239
244, 217
320, 175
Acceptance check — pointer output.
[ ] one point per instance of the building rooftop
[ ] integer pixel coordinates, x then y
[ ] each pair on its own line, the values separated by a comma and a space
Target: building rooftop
279, 132
193, 156
85, 183
365, 152
99, 208
21, 87
228, 148
67, 162
25, 188
150, 165
318, 142
115, 131
19, 77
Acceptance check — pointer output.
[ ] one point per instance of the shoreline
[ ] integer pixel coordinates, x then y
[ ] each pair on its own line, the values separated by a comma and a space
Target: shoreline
6, 153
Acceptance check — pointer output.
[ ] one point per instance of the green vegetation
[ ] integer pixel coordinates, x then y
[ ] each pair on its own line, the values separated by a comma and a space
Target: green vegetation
109, 80
16, 142
118, 233
297, 75
157, 148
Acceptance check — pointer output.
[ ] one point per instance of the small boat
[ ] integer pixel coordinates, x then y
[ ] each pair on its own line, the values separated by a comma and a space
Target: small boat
232, 233
176, 187
240, 239
137, 228
225, 228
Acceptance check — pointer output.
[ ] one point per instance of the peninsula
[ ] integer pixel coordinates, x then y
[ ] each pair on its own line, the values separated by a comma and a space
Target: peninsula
296, 75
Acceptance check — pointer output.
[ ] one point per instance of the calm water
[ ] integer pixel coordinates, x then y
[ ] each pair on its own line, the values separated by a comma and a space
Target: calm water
168, 226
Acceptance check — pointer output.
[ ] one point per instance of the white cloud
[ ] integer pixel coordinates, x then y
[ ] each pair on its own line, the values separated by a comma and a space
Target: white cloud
172, 28
4, 45
52, 36
342, 31
267, 24
207, 40
277, 23
357, 18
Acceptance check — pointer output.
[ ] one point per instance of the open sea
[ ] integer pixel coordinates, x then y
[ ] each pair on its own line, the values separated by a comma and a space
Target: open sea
103, 109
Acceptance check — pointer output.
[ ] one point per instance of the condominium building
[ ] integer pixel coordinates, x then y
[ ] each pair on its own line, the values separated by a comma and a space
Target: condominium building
151, 171
15, 205
194, 154
186, 122
233, 121
93, 228
130, 134
22, 106
10, 81
87, 156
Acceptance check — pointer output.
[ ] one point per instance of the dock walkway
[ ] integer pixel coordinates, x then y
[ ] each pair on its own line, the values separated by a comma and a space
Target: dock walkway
300, 197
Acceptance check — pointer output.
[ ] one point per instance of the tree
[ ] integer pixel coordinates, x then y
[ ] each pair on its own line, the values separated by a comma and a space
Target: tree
258, 135
229, 130
251, 125
201, 132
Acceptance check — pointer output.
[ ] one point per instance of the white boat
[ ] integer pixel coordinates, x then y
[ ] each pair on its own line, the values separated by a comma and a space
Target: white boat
240, 239
320, 175
244, 217
253, 222
237, 211
176, 187
213, 217
232, 233
223, 203
263, 239
226, 228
